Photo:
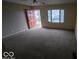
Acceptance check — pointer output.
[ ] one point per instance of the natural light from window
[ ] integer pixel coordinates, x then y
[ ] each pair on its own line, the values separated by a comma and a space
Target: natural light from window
37, 18
56, 16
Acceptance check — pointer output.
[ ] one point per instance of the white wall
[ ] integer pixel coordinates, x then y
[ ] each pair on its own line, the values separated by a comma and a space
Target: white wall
13, 19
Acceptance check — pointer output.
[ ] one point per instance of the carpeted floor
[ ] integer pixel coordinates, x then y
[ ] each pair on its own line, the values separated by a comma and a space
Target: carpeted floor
41, 44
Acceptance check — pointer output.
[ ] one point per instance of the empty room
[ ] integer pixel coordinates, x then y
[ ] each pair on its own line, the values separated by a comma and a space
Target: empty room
39, 29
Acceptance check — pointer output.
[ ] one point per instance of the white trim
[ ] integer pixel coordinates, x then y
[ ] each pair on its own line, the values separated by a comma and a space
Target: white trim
13, 34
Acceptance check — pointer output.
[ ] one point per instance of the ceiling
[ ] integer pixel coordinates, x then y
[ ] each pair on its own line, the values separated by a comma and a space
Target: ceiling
46, 2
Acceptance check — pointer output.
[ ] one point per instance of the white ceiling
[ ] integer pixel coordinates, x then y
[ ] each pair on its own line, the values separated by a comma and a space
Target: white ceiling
30, 2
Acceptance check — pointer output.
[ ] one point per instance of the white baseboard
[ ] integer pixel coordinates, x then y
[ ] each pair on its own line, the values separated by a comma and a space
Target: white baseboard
13, 34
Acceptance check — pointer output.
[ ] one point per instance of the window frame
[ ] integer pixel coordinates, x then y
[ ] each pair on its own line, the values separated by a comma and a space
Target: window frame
59, 16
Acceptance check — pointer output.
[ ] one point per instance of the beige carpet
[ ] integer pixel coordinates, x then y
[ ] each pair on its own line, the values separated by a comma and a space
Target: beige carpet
41, 44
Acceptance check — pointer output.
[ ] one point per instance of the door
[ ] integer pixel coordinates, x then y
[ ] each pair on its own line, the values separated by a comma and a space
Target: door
31, 18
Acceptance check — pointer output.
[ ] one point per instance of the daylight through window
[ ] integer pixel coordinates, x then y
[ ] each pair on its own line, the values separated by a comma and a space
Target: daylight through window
56, 16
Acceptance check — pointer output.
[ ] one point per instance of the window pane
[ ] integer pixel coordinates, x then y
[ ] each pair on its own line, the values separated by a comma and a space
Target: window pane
49, 15
55, 15
37, 18
37, 15
62, 15
30, 13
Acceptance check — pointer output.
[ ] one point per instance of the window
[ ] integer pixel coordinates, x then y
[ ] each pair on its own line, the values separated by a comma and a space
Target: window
56, 16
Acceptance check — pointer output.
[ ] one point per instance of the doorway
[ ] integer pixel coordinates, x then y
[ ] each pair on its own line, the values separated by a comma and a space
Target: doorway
37, 18
33, 18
